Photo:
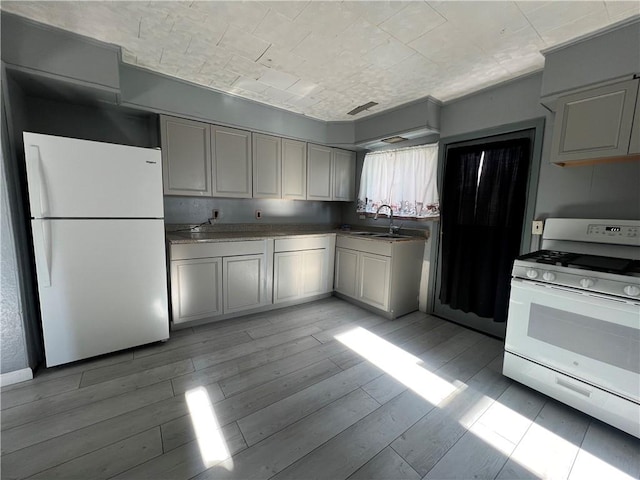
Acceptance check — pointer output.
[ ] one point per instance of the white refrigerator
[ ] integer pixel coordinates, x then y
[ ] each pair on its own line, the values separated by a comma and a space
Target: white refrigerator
98, 241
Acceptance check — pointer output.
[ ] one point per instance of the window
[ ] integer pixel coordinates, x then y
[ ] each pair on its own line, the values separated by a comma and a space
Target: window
405, 179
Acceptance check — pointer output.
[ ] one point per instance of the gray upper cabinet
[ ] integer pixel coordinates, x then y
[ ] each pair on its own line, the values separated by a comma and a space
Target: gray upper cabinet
231, 162
634, 144
294, 169
319, 172
594, 124
267, 166
344, 175
186, 153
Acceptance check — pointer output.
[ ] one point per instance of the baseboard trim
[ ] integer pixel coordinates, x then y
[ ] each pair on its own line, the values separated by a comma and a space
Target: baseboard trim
16, 376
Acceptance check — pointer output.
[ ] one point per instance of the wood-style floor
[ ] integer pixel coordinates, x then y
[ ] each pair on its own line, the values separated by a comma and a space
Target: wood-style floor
322, 390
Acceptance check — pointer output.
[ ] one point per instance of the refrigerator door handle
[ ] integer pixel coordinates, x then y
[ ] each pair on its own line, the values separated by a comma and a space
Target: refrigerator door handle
42, 249
39, 197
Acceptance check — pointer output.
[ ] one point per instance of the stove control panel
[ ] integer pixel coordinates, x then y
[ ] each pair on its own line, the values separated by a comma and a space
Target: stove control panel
608, 231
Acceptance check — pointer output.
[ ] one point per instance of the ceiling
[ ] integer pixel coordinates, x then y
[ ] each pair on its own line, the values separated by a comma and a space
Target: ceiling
324, 58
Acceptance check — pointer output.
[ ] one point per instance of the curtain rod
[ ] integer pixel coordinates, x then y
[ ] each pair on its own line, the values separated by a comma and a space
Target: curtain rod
435, 144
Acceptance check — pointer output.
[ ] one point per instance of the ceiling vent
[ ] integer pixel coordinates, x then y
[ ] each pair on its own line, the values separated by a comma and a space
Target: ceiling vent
362, 108
395, 139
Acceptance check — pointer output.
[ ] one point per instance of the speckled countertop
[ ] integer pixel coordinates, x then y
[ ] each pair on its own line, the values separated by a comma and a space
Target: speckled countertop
179, 234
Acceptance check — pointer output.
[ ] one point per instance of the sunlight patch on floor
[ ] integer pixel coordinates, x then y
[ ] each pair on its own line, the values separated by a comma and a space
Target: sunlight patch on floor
213, 448
398, 363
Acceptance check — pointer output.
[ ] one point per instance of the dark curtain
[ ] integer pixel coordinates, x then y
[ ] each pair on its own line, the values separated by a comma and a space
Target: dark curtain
482, 212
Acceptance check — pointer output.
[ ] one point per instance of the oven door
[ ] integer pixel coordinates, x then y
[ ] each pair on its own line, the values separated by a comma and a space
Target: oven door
594, 338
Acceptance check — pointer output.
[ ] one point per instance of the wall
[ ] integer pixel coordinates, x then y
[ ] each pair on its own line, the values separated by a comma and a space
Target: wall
194, 210
591, 191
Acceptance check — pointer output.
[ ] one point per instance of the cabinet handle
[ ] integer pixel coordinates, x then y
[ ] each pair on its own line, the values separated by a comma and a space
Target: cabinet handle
564, 383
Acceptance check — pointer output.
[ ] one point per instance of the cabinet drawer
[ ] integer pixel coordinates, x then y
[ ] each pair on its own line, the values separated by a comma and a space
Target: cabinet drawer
378, 247
184, 251
305, 243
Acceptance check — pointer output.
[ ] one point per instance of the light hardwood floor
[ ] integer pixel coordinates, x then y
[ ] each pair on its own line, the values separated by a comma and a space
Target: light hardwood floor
322, 390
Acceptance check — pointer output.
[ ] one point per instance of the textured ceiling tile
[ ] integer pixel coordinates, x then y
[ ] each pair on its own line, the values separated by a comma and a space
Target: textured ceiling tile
375, 12
617, 10
277, 95
288, 9
389, 53
346, 60
447, 45
281, 60
244, 15
492, 17
303, 88
552, 15
414, 20
362, 37
279, 30
326, 18
590, 22
250, 85
245, 67
317, 47
222, 78
279, 80
238, 41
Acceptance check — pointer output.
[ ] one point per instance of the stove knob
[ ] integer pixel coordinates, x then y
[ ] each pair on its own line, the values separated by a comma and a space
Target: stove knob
632, 290
532, 273
587, 282
549, 276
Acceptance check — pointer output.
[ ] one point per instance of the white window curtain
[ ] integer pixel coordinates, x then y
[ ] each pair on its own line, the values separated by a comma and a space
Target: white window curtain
405, 178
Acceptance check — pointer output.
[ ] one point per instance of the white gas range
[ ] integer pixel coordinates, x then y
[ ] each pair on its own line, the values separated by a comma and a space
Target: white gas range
573, 330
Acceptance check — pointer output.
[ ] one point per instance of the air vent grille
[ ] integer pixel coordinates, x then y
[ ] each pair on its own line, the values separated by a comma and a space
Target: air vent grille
395, 139
362, 108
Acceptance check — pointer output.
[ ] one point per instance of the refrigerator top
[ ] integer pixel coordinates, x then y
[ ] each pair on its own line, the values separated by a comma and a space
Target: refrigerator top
71, 178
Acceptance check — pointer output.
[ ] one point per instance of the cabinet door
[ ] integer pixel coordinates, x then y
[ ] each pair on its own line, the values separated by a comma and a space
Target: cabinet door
267, 166
346, 272
595, 123
287, 269
243, 282
634, 144
294, 169
344, 175
196, 289
319, 174
313, 271
231, 162
373, 280
186, 157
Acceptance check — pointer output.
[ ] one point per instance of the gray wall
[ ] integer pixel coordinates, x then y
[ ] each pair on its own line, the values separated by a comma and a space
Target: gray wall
590, 191
194, 210
13, 349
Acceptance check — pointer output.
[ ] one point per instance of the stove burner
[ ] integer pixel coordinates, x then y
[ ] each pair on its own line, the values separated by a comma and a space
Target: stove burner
621, 266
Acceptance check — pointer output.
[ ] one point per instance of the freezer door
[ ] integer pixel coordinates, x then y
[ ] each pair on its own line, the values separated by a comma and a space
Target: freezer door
71, 178
102, 285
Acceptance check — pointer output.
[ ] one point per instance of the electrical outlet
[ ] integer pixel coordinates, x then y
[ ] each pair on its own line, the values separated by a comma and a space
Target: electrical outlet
536, 227
361, 217
258, 214
215, 214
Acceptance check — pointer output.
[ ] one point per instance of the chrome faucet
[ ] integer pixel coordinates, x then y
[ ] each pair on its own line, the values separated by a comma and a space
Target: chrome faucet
392, 229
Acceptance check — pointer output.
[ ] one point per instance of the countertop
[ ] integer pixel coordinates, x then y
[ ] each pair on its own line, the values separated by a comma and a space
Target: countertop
208, 234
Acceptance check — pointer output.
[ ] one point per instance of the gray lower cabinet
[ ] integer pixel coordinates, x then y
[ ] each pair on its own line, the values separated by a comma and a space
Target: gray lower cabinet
196, 289
384, 275
219, 279
186, 157
596, 124
302, 267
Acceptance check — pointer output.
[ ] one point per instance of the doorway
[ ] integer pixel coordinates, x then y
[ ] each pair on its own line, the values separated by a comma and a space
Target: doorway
487, 186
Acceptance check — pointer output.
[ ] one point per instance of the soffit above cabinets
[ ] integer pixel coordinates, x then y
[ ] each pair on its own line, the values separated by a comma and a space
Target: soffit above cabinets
322, 59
